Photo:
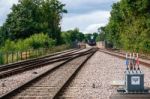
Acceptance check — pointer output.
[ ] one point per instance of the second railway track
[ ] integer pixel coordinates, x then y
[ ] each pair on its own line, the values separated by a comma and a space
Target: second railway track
49, 84
145, 62
16, 68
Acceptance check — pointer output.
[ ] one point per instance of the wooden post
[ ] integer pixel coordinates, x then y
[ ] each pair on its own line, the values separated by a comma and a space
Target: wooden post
7, 57
12, 57
44, 51
17, 56
37, 52
29, 53
1, 58
26, 54
21, 55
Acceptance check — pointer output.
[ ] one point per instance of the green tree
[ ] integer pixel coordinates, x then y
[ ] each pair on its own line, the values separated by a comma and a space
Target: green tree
52, 15
34, 16
101, 36
129, 25
88, 37
20, 22
72, 36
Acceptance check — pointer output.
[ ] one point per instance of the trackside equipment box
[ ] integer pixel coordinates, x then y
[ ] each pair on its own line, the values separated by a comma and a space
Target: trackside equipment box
134, 81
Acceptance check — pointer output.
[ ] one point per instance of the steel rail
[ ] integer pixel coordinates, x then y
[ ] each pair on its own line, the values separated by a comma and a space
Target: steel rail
12, 92
5, 67
35, 64
122, 56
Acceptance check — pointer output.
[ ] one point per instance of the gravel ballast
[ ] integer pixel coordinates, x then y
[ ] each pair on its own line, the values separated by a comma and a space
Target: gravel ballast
48, 86
94, 81
9, 83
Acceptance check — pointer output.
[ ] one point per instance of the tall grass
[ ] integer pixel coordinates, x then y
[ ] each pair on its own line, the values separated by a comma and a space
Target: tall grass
15, 56
36, 41
34, 46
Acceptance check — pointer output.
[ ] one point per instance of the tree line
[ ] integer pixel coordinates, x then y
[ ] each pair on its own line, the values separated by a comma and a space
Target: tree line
129, 26
33, 24
30, 17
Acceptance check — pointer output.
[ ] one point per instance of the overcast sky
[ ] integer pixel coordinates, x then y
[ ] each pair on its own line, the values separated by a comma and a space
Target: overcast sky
87, 15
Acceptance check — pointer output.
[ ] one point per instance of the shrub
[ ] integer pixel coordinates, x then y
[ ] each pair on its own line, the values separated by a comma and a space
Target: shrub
34, 42
9, 46
39, 40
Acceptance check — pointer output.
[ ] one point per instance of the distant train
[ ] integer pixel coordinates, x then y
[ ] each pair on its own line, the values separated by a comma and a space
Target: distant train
92, 42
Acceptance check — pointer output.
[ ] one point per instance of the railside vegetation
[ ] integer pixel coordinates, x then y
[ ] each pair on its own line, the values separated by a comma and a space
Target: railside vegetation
129, 26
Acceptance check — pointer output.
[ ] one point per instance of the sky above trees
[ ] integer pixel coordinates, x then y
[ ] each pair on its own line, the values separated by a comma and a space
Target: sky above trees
87, 15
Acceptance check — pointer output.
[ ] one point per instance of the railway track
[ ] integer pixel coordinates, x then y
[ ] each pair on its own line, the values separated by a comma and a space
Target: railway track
12, 69
145, 62
50, 83
13, 65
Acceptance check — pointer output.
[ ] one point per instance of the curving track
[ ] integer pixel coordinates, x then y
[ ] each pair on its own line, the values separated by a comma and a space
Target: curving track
52, 80
63, 80
12, 69
95, 79
145, 62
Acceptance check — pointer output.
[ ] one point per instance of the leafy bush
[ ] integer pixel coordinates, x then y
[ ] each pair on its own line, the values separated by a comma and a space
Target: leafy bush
129, 26
9, 46
34, 42
39, 40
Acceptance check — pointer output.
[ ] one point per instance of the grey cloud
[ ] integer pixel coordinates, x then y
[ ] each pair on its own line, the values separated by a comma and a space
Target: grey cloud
85, 20
86, 6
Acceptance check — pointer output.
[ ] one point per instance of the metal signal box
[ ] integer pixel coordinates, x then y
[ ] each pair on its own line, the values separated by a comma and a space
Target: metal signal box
134, 78
134, 81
